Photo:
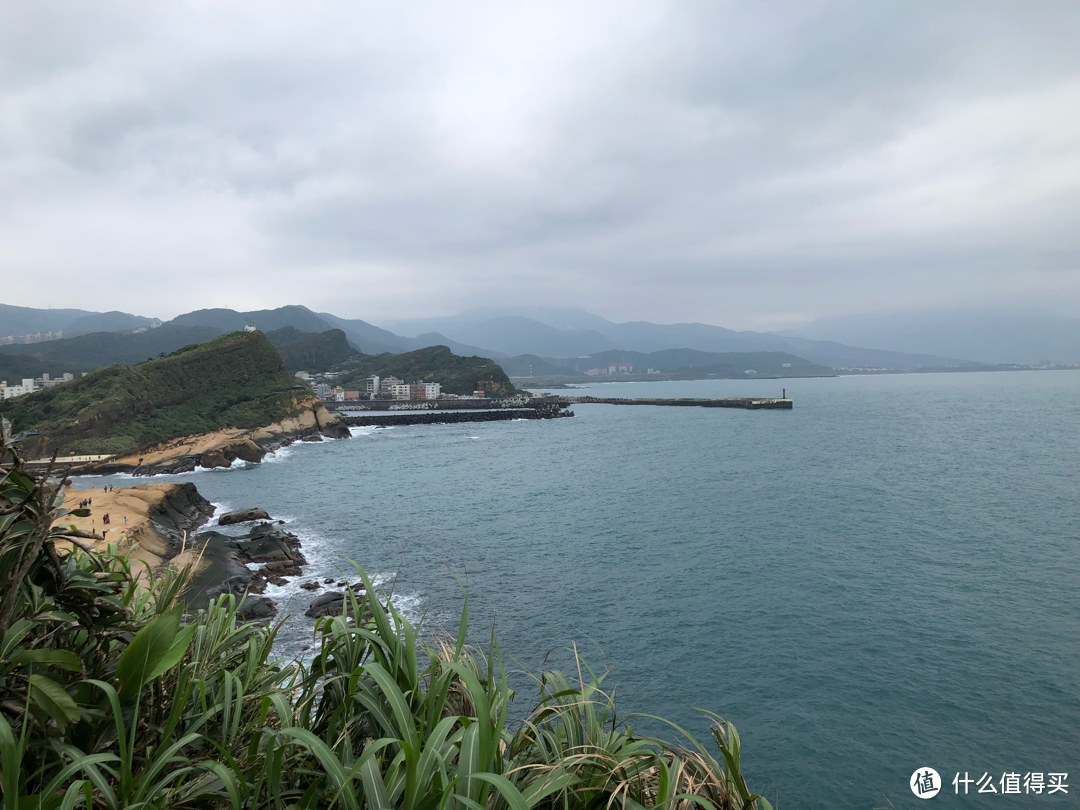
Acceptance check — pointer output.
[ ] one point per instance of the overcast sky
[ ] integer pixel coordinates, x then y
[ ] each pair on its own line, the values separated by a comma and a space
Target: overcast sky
748, 164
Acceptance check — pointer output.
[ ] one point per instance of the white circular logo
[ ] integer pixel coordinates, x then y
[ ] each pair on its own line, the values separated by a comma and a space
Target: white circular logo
925, 783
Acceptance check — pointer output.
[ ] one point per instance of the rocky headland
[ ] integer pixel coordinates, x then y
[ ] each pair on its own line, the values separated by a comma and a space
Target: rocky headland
157, 526
150, 520
221, 448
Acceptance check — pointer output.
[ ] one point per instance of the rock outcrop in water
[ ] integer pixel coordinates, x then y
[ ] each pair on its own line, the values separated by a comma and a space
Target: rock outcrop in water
242, 516
225, 564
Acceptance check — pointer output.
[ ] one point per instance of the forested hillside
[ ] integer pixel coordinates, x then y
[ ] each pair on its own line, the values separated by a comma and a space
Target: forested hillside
236, 380
458, 375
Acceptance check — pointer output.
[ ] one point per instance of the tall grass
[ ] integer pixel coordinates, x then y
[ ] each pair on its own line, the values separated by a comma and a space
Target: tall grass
113, 697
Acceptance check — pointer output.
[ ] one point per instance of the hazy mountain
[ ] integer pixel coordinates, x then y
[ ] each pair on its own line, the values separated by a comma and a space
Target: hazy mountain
732, 365
373, 340
97, 349
988, 336
266, 320
531, 365
27, 320
570, 318
516, 335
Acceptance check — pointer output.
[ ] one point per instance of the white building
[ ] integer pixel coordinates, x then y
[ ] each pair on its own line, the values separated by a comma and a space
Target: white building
401, 391
386, 385
12, 391
373, 384
432, 390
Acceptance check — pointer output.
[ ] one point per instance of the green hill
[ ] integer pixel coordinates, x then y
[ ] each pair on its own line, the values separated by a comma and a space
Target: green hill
312, 351
100, 349
458, 375
236, 380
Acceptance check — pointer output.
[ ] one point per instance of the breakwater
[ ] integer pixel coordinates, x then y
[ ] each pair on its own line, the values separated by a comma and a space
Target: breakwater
749, 403
384, 419
355, 405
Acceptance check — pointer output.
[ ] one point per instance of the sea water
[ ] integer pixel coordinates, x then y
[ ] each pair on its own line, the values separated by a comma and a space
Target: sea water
884, 578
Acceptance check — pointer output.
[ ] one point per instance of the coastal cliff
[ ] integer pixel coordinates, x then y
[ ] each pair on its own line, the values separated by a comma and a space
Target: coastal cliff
221, 448
152, 520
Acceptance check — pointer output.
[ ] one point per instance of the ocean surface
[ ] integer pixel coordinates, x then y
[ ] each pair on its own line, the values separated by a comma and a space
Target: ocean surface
885, 578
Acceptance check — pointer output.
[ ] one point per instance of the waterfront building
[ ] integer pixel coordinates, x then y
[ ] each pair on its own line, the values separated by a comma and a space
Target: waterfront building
386, 385
401, 391
432, 390
597, 372
352, 395
373, 384
620, 368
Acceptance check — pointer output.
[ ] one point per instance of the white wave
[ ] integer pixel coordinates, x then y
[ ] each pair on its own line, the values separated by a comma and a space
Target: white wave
278, 455
220, 508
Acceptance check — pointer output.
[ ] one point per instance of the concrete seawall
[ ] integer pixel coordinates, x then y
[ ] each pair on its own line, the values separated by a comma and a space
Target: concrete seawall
749, 403
385, 419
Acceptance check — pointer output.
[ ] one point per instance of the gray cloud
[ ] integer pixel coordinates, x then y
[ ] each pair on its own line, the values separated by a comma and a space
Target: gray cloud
746, 164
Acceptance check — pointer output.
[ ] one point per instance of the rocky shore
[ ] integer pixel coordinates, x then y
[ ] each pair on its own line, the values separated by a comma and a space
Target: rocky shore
221, 448
151, 520
157, 524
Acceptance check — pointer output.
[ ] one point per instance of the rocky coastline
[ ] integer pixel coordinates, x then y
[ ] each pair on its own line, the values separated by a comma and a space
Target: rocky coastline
244, 565
158, 525
222, 448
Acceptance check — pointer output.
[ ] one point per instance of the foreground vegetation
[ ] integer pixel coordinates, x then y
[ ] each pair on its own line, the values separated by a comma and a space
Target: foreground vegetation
111, 697
236, 380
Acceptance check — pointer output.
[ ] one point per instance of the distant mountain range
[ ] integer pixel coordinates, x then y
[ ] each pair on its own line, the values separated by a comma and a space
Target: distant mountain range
560, 336
72, 322
683, 362
986, 336
568, 333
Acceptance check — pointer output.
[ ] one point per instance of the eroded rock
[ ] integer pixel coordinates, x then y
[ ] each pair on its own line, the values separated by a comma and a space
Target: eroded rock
242, 516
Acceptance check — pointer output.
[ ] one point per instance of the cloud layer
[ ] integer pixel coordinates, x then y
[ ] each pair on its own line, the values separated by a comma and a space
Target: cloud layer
746, 164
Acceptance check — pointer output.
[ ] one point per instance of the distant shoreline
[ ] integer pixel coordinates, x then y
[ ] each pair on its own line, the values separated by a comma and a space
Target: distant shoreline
554, 381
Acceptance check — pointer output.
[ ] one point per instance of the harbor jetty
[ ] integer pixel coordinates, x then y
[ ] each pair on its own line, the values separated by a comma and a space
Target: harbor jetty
749, 403
546, 410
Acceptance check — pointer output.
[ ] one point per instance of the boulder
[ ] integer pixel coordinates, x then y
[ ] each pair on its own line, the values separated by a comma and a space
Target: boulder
328, 604
313, 585
242, 516
257, 608
215, 458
